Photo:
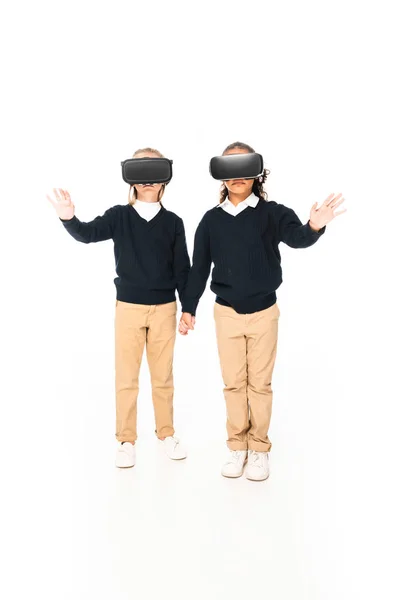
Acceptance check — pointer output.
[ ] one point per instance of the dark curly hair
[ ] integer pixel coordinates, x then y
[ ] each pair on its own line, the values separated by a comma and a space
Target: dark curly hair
258, 188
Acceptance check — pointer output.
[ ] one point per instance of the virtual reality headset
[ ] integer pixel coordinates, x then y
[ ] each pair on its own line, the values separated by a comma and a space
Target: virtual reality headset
237, 166
146, 170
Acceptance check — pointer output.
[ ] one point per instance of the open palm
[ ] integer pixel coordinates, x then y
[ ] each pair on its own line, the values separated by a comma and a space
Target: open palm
62, 203
319, 217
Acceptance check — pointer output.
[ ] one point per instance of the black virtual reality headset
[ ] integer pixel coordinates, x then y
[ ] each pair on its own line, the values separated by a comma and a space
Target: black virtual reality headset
237, 166
146, 170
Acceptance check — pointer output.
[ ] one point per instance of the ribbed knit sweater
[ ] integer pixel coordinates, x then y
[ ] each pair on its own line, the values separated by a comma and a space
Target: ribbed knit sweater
151, 258
244, 250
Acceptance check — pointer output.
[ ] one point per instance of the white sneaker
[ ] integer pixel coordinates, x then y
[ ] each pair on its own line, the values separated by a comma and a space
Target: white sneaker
258, 466
126, 455
173, 448
235, 464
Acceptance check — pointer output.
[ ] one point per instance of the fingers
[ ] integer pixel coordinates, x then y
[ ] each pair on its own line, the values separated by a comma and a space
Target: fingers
186, 323
328, 199
65, 196
187, 319
336, 199
340, 212
183, 328
338, 203
332, 198
62, 195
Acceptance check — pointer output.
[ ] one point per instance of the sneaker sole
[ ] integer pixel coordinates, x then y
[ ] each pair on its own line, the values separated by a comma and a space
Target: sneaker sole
174, 458
257, 478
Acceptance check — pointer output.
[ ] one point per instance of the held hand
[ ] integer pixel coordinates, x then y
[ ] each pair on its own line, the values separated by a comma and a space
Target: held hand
63, 204
319, 217
187, 322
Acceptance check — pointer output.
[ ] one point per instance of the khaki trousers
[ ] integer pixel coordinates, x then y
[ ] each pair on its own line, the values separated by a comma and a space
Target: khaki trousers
137, 325
247, 345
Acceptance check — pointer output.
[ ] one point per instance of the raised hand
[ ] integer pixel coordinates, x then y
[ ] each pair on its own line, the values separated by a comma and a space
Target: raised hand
62, 204
187, 322
319, 217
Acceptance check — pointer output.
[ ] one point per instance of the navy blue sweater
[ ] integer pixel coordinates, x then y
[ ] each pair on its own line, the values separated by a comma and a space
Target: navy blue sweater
244, 250
151, 257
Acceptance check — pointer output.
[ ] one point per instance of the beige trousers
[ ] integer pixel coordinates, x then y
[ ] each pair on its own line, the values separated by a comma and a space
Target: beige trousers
247, 345
137, 325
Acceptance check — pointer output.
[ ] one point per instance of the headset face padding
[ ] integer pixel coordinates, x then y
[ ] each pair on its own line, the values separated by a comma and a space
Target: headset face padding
147, 170
236, 166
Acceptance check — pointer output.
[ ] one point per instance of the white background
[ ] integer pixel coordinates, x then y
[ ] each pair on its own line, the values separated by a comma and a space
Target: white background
313, 86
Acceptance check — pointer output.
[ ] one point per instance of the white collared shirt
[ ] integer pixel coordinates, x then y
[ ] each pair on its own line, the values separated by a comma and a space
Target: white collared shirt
233, 210
147, 210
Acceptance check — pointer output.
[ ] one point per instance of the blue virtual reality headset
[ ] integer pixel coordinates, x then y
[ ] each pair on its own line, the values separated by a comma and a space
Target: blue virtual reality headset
147, 170
237, 166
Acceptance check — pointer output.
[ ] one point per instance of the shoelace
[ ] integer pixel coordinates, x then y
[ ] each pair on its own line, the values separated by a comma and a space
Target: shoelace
235, 457
257, 459
175, 441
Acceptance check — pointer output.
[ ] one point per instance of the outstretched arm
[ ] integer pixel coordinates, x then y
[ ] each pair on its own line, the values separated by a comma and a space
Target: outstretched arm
292, 232
98, 230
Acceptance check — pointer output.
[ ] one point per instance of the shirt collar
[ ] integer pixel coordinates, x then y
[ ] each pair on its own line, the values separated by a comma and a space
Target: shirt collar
251, 200
143, 203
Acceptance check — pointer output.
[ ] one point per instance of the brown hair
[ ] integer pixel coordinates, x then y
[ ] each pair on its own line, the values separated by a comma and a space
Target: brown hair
132, 194
258, 188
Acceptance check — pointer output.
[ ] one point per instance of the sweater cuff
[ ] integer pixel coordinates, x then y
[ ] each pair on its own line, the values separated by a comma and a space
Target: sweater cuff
316, 233
66, 221
189, 307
